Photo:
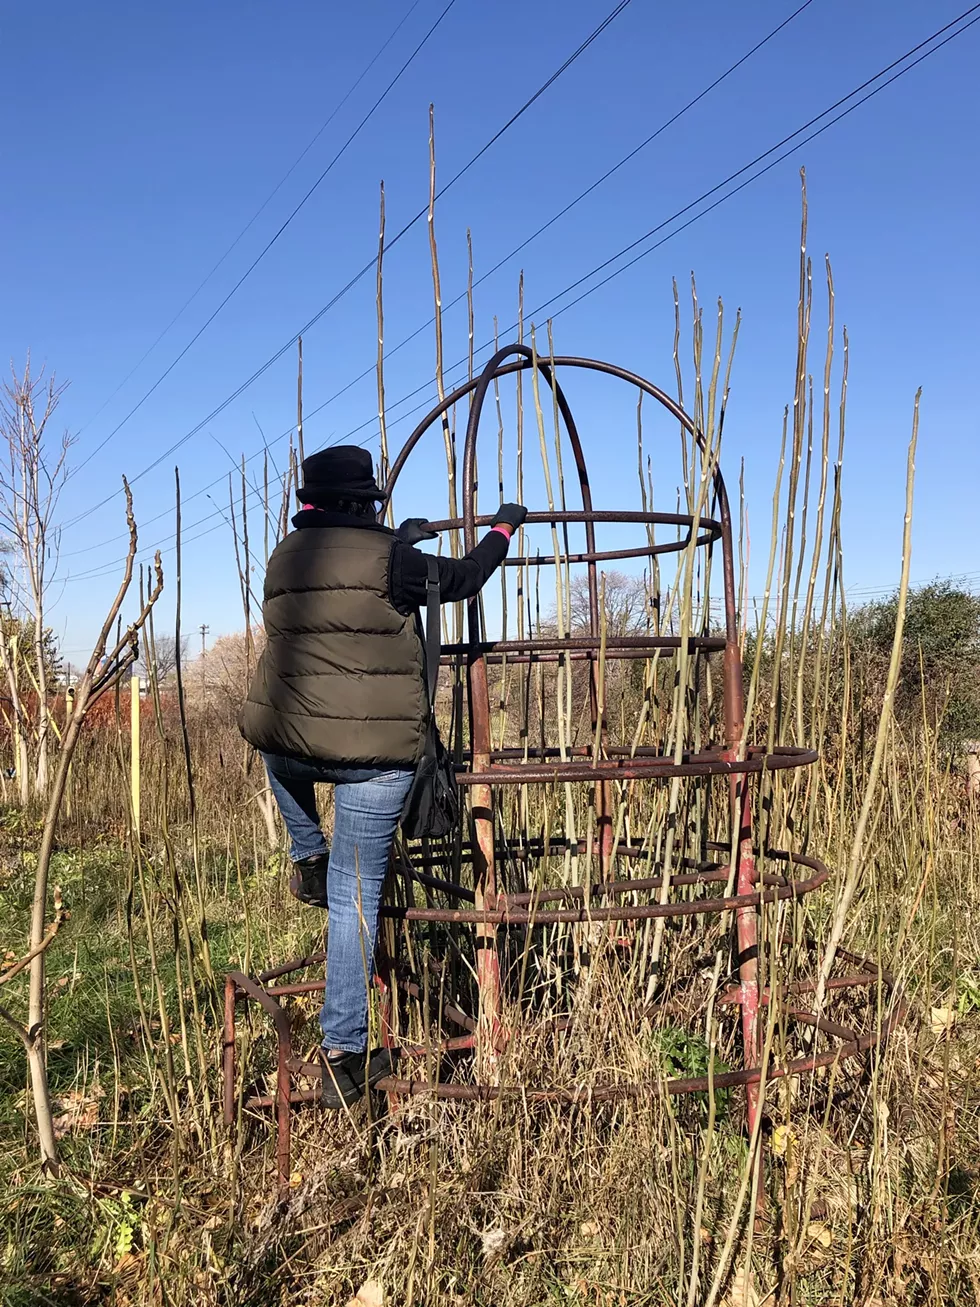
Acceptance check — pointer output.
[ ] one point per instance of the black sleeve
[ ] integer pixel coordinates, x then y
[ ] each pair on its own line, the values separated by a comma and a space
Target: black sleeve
459, 578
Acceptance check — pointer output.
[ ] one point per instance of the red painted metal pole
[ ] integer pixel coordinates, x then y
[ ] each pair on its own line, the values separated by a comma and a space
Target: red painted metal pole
283, 1123
747, 935
228, 1052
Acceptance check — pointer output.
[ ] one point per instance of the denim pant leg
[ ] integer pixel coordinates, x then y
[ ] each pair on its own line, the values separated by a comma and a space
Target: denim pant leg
366, 814
293, 784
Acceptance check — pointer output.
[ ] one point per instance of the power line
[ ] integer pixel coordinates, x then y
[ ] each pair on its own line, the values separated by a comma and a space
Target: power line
255, 216
576, 54
269, 244
518, 248
105, 568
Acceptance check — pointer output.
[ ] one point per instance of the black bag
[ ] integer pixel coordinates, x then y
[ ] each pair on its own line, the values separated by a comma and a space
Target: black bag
432, 806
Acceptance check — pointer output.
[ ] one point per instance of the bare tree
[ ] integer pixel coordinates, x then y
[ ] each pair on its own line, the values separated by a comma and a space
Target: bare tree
627, 603
161, 660
31, 481
107, 664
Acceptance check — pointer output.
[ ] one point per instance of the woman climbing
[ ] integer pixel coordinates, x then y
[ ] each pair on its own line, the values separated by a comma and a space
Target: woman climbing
339, 696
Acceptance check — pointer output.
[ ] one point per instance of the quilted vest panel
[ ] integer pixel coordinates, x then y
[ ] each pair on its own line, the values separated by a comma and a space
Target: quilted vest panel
341, 677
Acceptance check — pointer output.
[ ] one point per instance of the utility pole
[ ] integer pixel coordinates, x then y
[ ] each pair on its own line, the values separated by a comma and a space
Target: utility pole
204, 681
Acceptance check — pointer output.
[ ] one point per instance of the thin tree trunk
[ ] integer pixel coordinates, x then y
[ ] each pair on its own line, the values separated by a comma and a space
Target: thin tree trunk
43, 730
267, 809
21, 760
36, 1053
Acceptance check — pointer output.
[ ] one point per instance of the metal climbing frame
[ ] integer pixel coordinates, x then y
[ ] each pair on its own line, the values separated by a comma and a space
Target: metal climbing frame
490, 909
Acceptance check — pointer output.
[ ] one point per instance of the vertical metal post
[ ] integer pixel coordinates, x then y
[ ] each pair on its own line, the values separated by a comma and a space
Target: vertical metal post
283, 1123
228, 1053
747, 937
484, 866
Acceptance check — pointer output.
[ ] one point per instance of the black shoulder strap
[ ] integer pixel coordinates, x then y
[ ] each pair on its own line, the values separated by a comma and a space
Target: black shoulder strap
433, 635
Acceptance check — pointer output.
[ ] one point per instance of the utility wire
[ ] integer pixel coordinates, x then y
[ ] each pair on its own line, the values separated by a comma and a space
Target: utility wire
369, 266
515, 251
104, 569
755, 176
269, 244
255, 216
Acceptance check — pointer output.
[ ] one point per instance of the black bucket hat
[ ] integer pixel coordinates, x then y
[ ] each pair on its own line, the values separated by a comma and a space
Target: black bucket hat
340, 472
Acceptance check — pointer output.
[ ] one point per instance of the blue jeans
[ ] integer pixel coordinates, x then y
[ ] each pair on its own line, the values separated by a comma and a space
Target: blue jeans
368, 802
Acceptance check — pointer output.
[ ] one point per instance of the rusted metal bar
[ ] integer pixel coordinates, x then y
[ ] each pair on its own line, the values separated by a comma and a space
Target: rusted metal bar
851, 981
437, 883
607, 888
613, 751
284, 1051
457, 1044
290, 991
494, 659
604, 1093
747, 935
542, 644
604, 555
614, 516
449, 1010
825, 1025
640, 768
286, 967
503, 916
283, 1117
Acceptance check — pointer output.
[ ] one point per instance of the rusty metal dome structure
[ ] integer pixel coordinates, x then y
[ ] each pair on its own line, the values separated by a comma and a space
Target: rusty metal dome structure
728, 882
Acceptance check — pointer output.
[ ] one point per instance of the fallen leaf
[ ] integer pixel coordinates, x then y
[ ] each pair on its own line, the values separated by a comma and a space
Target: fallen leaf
296, 1179
820, 1234
783, 1139
370, 1294
588, 1229
941, 1020
78, 1111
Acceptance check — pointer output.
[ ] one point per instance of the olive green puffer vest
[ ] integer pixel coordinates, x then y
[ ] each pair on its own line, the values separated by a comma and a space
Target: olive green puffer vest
341, 676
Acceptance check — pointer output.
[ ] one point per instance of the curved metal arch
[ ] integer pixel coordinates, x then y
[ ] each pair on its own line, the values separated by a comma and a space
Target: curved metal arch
497, 367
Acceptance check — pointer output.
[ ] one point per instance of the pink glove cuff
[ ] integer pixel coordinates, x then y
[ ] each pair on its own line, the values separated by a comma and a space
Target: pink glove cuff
505, 531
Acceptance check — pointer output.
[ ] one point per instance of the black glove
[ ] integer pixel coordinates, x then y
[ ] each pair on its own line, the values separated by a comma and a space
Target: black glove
414, 529
511, 515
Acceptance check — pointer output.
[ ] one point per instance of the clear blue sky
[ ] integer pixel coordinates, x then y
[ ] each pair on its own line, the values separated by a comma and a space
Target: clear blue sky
139, 140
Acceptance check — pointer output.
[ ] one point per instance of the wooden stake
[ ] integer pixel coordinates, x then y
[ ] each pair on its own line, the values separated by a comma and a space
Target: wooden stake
134, 751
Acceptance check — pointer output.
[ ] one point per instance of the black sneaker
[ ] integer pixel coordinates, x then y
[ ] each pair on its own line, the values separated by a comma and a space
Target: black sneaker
346, 1076
308, 883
